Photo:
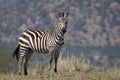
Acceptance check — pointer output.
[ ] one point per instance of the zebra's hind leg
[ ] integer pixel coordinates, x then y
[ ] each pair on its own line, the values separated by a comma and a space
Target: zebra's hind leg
20, 65
26, 58
25, 66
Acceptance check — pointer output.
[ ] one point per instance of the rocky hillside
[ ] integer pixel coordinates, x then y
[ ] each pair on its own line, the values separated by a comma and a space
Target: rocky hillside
91, 22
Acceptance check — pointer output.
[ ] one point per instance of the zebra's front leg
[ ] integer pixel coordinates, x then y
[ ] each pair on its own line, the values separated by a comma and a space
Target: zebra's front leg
56, 55
50, 60
56, 60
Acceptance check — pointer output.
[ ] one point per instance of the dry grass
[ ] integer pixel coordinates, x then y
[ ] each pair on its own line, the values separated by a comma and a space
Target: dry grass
70, 68
72, 64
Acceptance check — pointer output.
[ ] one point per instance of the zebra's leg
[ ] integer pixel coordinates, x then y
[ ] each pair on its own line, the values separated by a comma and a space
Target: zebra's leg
56, 55
25, 66
50, 60
26, 58
20, 64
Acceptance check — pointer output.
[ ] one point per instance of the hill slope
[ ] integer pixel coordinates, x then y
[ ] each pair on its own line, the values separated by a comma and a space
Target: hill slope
91, 22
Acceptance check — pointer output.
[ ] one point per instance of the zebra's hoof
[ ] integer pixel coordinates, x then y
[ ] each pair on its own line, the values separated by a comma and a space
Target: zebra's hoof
49, 68
25, 73
55, 70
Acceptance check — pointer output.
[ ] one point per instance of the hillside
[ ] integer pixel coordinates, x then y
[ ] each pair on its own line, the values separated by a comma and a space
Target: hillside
91, 22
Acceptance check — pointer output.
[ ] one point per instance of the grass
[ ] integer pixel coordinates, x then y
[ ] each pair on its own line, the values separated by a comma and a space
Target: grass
70, 68
61, 76
7, 62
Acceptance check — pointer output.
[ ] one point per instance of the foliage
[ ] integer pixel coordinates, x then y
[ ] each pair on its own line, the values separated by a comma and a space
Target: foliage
94, 22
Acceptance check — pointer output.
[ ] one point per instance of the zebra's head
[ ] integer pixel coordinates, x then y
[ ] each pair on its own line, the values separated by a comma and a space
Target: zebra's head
62, 21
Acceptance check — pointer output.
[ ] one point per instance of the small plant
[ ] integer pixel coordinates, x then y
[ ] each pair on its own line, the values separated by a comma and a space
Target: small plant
73, 64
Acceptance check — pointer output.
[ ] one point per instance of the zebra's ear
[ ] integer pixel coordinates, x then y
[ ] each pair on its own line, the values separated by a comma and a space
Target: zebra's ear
61, 14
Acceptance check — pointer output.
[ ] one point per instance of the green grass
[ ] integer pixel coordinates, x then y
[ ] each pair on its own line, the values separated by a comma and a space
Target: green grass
7, 63
70, 68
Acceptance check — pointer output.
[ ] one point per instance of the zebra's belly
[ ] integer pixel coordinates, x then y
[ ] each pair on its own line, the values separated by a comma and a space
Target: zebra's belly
41, 51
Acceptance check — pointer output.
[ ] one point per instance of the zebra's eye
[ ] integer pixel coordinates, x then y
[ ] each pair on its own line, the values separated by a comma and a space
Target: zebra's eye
60, 24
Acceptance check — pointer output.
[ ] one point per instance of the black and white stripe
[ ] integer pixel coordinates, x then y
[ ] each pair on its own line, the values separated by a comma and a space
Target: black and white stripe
42, 41
35, 40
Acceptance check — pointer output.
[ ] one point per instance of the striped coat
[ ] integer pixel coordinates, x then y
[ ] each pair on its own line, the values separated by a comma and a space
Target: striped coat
41, 41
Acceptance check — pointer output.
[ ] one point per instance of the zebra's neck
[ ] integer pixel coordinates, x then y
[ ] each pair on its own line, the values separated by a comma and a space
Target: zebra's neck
58, 36
59, 32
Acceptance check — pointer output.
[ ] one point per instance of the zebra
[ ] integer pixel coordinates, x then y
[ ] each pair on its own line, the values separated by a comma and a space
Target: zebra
41, 41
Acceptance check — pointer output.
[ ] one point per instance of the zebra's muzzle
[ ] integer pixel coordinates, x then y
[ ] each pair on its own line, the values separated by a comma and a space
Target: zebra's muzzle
64, 30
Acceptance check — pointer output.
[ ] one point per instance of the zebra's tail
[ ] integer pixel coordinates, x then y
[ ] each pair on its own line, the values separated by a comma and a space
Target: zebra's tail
16, 53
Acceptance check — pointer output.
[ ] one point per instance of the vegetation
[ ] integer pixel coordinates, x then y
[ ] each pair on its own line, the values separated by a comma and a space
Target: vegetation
69, 68
92, 75
91, 22
7, 63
